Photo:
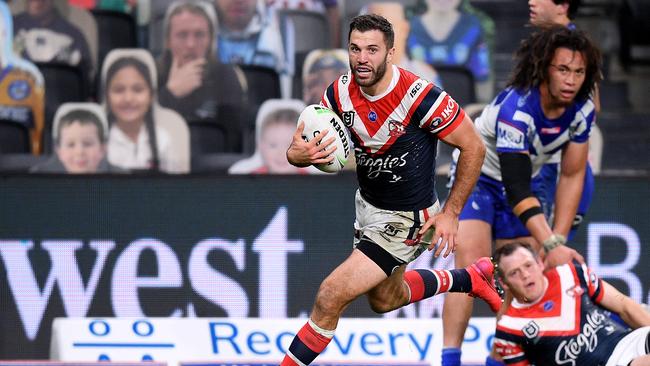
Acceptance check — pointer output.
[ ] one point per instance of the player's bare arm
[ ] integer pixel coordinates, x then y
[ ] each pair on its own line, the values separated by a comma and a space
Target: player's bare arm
316, 151
629, 310
570, 185
472, 152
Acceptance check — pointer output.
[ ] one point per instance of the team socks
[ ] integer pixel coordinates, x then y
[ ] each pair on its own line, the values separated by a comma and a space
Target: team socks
424, 283
310, 341
450, 357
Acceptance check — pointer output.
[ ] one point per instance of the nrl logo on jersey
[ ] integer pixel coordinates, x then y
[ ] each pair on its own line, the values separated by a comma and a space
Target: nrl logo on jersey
348, 119
396, 128
531, 330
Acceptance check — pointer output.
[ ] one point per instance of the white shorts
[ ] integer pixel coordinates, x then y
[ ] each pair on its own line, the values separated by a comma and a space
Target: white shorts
392, 230
630, 347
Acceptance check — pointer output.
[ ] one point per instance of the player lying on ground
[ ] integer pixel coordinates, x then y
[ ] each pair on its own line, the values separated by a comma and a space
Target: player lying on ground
558, 318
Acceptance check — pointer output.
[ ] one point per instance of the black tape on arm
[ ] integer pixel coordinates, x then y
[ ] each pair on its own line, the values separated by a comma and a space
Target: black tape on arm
516, 171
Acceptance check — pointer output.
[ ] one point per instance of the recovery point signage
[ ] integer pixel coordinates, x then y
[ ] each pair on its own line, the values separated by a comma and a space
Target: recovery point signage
210, 340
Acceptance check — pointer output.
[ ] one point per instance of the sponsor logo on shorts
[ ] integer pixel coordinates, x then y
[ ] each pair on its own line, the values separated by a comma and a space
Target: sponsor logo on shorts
391, 230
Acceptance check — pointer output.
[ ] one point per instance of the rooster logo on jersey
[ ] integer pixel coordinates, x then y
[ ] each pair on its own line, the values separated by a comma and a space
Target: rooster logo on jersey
395, 128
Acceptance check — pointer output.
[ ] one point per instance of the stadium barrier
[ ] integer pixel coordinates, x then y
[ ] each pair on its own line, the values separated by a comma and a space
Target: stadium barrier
173, 340
227, 247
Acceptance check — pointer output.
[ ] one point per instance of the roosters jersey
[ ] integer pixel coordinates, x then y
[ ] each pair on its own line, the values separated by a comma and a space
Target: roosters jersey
515, 122
395, 136
565, 327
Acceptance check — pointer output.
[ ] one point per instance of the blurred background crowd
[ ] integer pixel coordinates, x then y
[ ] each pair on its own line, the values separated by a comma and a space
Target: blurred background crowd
195, 86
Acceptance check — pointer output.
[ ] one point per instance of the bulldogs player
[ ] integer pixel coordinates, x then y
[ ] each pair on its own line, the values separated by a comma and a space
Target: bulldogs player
562, 12
557, 317
395, 119
545, 109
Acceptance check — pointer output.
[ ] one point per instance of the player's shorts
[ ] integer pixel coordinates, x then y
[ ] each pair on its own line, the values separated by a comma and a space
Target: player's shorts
633, 345
488, 202
383, 235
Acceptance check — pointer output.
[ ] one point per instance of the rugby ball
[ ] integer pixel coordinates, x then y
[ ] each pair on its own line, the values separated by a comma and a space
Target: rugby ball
318, 118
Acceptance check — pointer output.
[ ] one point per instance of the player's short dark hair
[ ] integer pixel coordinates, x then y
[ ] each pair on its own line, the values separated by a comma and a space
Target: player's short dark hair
535, 55
509, 248
369, 22
573, 7
82, 117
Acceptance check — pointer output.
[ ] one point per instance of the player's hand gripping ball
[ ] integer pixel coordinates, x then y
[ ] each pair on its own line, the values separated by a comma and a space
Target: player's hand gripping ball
318, 118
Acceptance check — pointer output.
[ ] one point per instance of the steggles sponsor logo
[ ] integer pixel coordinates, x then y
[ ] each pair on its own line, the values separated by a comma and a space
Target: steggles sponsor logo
568, 351
376, 166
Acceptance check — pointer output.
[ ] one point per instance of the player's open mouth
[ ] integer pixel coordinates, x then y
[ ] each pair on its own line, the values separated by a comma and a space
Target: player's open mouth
363, 71
567, 93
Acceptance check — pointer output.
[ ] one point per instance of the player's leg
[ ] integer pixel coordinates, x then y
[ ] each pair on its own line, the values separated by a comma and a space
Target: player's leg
585, 201
544, 185
632, 350
354, 277
403, 288
474, 241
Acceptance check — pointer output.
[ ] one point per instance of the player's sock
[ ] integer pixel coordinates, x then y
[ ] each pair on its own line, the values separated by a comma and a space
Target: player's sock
310, 341
424, 283
489, 361
450, 357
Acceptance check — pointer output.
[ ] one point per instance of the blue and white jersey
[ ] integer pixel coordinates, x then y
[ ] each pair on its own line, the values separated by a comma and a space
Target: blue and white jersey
515, 122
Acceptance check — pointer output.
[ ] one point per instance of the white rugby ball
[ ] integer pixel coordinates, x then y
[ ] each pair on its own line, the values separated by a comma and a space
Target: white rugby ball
318, 118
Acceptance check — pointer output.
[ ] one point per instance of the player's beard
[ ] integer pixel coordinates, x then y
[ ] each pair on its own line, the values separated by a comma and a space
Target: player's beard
376, 74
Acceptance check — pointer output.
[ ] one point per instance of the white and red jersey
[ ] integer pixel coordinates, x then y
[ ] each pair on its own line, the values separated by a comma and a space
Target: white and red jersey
395, 136
565, 327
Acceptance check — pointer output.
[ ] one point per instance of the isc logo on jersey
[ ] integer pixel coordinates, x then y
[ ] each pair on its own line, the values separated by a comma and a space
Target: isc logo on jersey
509, 137
318, 118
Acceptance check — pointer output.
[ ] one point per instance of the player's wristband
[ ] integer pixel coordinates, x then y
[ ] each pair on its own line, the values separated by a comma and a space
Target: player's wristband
553, 242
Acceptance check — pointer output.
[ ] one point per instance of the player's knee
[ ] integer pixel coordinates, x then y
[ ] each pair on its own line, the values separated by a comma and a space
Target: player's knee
383, 302
328, 299
380, 306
